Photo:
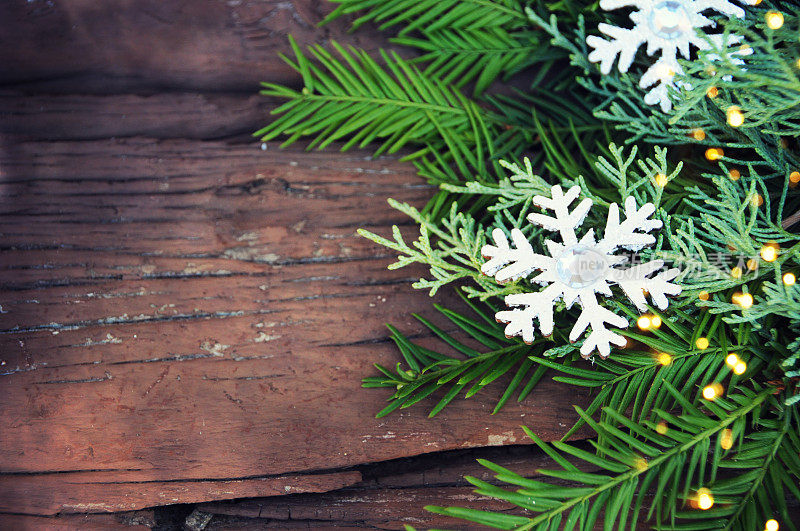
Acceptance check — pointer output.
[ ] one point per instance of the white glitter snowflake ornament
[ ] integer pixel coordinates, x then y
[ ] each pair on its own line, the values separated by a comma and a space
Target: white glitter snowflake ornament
578, 270
667, 25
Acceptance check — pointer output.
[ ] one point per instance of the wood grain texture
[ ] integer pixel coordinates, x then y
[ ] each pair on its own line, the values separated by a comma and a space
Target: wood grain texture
177, 310
184, 316
390, 496
90, 522
151, 45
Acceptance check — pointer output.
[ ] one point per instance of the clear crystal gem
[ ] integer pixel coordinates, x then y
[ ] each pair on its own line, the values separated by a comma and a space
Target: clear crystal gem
669, 19
580, 266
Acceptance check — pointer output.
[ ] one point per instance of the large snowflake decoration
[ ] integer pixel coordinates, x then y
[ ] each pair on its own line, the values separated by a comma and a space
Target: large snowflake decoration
578, 270
666, 25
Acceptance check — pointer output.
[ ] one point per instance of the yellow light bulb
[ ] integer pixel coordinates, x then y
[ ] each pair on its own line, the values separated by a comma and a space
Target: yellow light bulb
735, 116
643, 322
662, 428
703, 296
774, 19
713, 92
756, 200
732, 359
769, 253
701, 343
714, 154
712, 391
734, 174
745, 300
789, 279
740, 367
794, 177
661, 180
698, 134
705, 500
655, 321
771, 525
726, 439
664, 359
752, 264
736, 272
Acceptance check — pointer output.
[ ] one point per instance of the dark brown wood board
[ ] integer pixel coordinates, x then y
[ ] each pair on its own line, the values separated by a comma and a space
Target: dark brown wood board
186, 317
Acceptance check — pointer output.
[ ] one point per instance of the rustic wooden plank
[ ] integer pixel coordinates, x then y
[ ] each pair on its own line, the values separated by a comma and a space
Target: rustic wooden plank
193, 312
97, 492
91, 522
184, 115
84, 46
381, 509
391, 495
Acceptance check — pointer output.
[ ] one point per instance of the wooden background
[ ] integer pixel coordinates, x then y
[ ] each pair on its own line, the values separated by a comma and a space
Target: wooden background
185, 315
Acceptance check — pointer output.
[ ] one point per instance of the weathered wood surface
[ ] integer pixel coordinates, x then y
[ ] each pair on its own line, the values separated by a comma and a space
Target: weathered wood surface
80, 46
185, 316
176, 310
392, 495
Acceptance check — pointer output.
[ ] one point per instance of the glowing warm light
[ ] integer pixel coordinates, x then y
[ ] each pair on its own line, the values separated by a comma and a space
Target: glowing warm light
698, 134
662, 428
756, 200
701, 343
713, 92
794, 177
771, 525
714, 153
734, 174
643, 322
703, 296
655, 321
735, 116
732, 359
664, 359
752, 264
740, 367
709, 393
736, 272
712, 391
661, 180
769, 252
745, 300
789, 279
774, 19
726, 439
705, 500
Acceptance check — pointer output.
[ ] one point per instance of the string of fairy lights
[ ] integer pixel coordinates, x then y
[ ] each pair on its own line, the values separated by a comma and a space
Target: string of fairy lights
735, 117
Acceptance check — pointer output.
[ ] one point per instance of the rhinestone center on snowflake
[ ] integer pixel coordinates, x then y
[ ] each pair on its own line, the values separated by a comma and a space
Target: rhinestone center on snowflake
669, 20
580, 266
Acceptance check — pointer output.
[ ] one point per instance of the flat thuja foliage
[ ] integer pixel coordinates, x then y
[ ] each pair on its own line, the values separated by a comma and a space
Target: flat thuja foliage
499, 103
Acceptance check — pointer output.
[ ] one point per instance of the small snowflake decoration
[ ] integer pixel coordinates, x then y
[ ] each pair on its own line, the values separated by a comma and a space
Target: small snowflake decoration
666, 25
578, 270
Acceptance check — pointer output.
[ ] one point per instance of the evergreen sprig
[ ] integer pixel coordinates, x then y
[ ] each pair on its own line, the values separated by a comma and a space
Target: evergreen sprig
667, 463
660, 440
